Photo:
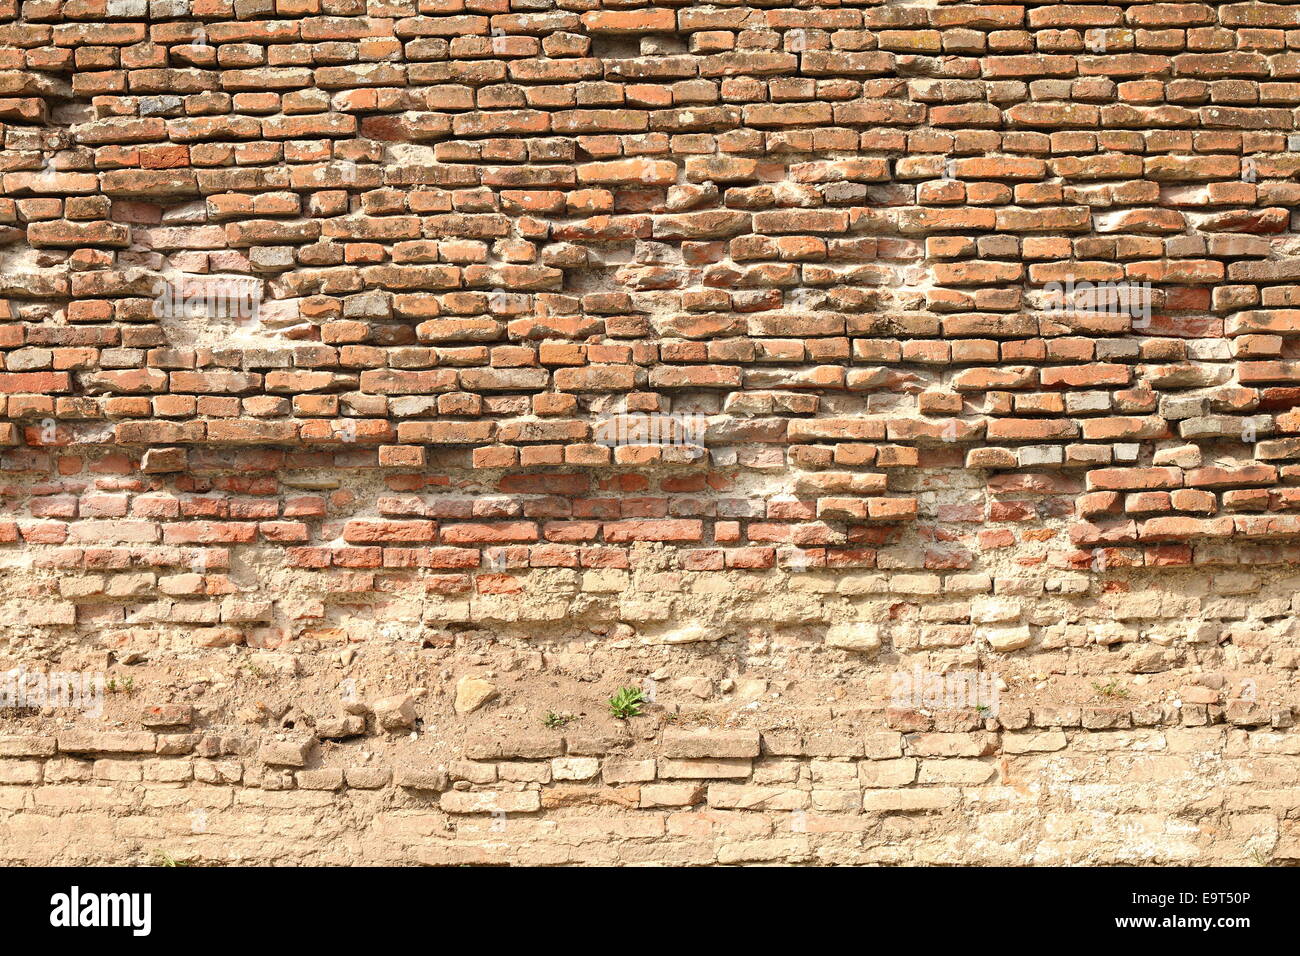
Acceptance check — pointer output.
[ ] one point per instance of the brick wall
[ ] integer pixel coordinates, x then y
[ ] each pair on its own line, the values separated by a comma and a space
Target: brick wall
384, 385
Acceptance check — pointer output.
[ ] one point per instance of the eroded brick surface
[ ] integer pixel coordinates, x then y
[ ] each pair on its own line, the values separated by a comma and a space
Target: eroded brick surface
380, 378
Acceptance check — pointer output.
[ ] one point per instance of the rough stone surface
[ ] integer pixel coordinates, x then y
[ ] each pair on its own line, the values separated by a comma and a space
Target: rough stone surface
472, 693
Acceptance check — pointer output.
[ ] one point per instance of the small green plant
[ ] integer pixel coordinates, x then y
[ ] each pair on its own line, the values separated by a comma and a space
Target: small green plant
1112, 688
555, 721
126, 687
163, 858
627, 703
